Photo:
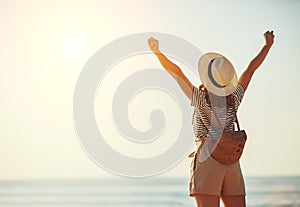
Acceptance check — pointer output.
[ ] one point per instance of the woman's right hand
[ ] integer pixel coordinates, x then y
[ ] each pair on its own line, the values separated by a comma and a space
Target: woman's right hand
153, 44
269, 38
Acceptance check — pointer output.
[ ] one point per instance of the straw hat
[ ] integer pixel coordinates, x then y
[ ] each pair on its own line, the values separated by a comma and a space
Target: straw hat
217, 74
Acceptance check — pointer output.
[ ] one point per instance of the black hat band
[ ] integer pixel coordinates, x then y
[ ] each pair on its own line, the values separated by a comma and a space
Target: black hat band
210, 75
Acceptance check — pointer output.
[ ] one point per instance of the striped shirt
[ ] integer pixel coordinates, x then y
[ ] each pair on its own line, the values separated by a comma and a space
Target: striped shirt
209, 126
205, 123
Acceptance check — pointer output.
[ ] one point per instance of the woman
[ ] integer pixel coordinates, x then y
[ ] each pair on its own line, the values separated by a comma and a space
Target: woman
215, 102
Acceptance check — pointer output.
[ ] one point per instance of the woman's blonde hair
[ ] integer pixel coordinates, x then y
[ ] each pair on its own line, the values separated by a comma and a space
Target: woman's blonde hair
217, 100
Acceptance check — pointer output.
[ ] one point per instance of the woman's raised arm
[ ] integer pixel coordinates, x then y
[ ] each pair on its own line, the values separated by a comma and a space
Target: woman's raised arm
257, 61
171, 68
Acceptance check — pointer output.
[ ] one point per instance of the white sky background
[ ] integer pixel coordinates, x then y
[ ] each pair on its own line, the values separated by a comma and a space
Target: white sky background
45, 44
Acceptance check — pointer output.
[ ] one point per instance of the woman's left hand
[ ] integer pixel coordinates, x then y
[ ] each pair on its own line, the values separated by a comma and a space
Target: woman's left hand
153, 44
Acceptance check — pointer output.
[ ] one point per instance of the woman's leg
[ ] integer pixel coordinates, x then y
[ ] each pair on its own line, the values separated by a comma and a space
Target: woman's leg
207, 200
234, 200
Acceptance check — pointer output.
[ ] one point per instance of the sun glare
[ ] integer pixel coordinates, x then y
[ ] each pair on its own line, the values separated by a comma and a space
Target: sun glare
74, 47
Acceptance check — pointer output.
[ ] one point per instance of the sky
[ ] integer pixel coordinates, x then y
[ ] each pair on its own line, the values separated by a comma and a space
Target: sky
46, 44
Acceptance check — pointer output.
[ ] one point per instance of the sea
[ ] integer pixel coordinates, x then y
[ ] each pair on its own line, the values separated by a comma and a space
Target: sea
142, 192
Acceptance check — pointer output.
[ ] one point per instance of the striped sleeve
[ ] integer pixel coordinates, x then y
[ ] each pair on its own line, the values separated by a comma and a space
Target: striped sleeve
239, 94
198, 97
198, 125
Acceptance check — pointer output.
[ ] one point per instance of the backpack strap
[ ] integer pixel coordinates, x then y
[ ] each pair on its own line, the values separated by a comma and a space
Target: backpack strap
236, 119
